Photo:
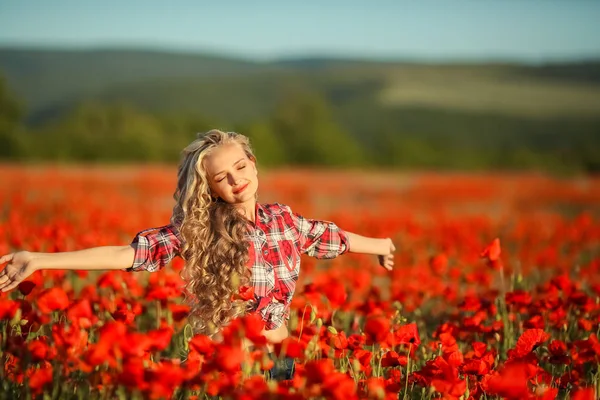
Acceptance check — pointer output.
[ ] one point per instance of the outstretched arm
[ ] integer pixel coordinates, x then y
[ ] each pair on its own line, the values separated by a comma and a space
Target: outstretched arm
150, 250
324, 239
24, 263
384, 248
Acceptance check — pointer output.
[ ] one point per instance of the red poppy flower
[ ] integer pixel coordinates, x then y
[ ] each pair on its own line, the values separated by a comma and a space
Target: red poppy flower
133, 374
40, 350
253, 326
124, 314
393, 359
337, 340
53, 299
8, 309
518, 298
356, 341
163, 293
135, 344
529, 340
160, 338
408, 334
229, 358
202, 344
584, 394
363, 356
291, 347
80, 313
476, 367
439, 264
245, 293
375, 387
492, 251
317, 371
40, 378
163, 378
179, 311
510, 383
376, 329
26, 287
335, 291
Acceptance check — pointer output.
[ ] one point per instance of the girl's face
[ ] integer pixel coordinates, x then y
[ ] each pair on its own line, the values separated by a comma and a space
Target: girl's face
232, 176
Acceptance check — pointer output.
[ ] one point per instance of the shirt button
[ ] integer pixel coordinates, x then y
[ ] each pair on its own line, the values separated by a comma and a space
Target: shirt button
266, 252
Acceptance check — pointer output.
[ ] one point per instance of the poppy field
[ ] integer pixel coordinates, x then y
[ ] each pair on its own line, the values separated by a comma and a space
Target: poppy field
495, 292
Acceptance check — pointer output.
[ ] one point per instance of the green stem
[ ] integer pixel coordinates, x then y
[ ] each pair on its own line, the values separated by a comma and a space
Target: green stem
158, 314
302, 323
407, 371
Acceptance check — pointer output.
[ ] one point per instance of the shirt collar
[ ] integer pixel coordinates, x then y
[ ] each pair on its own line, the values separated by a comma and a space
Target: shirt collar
262, 215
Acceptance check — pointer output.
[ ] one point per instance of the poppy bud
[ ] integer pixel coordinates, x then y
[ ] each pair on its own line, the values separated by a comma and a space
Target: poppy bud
293, 324
272, 384
15, 320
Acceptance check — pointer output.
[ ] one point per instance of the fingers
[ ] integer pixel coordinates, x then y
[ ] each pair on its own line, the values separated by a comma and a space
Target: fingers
13, 285
5, 281
387, 262
6, 258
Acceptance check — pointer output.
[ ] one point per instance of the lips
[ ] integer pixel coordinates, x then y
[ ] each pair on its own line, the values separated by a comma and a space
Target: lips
240, 189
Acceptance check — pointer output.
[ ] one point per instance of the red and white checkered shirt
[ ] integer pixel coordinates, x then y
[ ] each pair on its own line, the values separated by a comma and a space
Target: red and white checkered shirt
276, 241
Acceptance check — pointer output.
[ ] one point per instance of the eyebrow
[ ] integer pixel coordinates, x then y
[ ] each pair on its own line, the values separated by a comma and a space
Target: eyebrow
241, 159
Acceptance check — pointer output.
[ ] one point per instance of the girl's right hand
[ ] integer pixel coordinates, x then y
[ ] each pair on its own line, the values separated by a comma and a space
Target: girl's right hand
18, 269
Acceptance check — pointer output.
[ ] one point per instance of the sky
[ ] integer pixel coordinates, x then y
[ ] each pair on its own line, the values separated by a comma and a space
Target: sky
523, 30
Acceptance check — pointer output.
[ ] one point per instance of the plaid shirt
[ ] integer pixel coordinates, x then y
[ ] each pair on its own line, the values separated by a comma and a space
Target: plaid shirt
276, 241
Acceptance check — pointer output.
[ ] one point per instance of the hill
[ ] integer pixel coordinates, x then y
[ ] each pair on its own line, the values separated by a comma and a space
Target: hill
496, 114
50, 80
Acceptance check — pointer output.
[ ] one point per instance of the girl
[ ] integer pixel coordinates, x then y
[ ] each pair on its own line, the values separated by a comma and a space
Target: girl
227, 239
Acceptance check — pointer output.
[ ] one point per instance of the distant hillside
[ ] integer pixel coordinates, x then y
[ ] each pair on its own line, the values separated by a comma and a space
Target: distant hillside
50, 81
44, 77
315, 111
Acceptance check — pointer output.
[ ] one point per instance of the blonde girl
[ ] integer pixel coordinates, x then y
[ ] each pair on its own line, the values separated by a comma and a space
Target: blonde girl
227, 239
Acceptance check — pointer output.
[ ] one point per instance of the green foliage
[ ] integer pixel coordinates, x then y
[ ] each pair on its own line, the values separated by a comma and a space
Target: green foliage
310, 135
10, 120
148, 106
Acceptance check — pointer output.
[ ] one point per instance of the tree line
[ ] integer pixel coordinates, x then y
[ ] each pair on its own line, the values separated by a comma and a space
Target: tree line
305, 129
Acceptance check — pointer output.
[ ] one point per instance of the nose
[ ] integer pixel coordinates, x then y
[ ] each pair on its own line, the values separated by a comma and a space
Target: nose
233, 179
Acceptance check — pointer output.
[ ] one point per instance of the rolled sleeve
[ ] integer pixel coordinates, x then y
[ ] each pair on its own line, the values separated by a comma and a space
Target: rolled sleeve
320, 239
155, 248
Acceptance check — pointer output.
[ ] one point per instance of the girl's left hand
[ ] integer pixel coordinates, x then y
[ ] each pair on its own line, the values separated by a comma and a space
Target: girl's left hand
386, 260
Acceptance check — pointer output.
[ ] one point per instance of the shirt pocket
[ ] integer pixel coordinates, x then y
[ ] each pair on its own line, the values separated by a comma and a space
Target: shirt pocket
288, 254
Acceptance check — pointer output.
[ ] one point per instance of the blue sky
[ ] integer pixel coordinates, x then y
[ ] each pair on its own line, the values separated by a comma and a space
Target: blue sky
527, 30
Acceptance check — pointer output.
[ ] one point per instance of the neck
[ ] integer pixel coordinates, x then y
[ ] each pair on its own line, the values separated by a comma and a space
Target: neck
248, 209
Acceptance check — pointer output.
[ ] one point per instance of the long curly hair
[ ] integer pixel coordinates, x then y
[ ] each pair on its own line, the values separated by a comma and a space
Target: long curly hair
214, 246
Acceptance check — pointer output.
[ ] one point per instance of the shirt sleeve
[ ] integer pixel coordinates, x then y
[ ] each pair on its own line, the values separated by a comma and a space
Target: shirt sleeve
319, 239
155, 248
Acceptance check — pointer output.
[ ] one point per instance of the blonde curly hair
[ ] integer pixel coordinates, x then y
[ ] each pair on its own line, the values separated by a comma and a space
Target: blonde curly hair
213, 232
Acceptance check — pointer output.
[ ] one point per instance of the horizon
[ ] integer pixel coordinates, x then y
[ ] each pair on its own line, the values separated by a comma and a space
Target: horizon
532, 32
416, 60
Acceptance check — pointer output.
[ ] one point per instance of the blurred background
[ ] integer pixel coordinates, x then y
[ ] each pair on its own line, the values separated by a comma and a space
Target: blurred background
460, 85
